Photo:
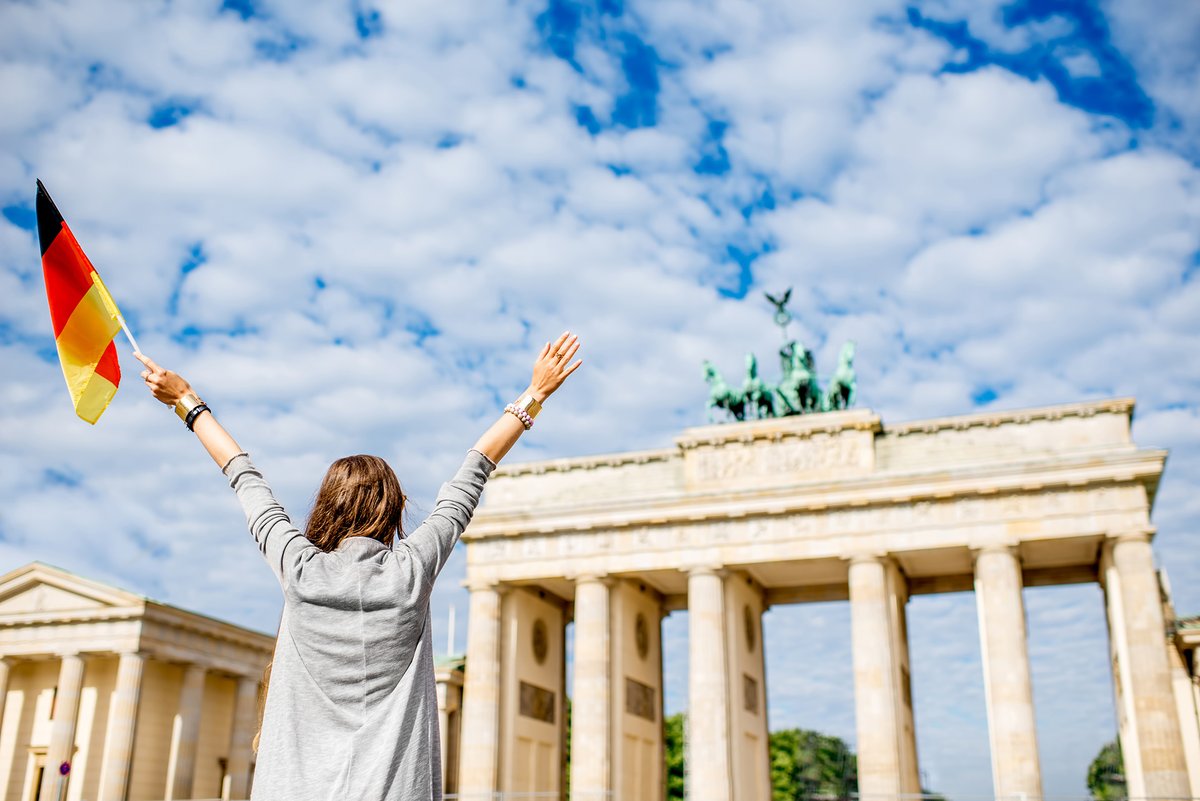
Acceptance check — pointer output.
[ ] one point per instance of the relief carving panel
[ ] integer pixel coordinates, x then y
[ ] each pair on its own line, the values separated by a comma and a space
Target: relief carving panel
769, 462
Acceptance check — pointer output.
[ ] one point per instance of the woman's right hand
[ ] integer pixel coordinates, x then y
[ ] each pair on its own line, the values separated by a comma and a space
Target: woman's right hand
165, 385
553, 365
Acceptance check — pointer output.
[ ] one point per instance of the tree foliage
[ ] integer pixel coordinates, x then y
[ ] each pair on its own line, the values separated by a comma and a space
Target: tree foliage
805, 765
808, 765
1106, 774
673, 734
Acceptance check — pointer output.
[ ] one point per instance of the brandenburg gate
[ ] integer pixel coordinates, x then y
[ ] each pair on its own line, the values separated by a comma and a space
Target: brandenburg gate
834, 506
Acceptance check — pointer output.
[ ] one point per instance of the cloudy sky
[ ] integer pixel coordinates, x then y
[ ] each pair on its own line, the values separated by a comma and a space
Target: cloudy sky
351, 225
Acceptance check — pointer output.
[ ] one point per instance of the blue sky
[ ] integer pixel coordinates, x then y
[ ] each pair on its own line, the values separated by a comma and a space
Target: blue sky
351, 224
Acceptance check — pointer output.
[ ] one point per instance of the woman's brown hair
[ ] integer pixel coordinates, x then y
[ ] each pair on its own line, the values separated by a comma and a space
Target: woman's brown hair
359, 497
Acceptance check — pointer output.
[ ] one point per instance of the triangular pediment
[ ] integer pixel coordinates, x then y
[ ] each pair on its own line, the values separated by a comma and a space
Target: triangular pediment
39, 588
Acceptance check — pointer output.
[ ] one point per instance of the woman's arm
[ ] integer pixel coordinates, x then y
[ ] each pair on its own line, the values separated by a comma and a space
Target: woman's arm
433, 541
281, 543
170, 388
551, 369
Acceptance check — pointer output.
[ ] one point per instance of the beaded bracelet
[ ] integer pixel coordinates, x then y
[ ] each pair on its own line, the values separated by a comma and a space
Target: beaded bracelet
521, 415
193, 414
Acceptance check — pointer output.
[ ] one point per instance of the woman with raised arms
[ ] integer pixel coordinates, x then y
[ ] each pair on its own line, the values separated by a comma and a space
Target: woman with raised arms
351, 712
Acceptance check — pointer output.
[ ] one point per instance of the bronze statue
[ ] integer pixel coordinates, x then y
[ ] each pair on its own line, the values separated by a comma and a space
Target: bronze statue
760, 398
799, 391
782, 315
722, 396
842, 386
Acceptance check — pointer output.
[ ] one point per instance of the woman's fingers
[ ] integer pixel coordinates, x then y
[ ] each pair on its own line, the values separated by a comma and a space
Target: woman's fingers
146, 360
570, 351
565, 348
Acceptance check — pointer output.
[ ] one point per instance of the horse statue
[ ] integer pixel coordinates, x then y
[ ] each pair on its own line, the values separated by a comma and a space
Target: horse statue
798, 391
844, 383
760, 398
721, 395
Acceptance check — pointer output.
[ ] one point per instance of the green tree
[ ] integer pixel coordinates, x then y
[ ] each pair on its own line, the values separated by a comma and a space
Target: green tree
673, 727
567, 751
808, 765
1106, 774
805, 765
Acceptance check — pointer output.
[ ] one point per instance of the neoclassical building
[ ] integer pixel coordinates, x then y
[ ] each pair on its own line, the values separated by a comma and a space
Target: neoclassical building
735, 518
142, 700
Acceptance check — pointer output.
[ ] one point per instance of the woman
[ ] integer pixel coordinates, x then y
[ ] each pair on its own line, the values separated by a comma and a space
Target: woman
352, 710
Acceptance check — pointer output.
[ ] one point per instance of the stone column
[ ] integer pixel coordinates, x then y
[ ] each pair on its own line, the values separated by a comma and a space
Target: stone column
1185, 703
1194, 721
181, 769
241, 738
591, 709
443, 731
887, 751
1008, 686
5, 665
479, 760
709, 769
62, 728
1151, 737
122, 723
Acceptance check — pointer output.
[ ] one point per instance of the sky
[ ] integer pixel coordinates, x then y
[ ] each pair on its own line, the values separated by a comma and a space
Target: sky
352, 225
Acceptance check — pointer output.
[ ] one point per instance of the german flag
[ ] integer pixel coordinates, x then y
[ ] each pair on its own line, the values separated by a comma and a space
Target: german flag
83, 313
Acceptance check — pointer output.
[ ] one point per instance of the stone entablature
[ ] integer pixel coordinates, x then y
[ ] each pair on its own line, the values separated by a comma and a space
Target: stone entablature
789, 500
800, 450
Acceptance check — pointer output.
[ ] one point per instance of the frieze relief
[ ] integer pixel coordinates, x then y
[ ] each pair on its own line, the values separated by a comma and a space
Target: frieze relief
766, 463
937, 521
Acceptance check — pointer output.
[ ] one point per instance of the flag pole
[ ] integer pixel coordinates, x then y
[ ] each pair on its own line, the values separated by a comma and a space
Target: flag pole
128, 335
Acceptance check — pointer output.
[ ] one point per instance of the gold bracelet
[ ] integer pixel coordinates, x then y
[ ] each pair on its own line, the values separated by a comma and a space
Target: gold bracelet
184, 406
529, 405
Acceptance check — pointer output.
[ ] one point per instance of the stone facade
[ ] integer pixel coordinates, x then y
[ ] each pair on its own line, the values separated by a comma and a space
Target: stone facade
737, 517
143, 700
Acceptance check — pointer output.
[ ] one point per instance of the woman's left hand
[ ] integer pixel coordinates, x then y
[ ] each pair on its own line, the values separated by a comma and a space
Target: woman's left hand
167, 386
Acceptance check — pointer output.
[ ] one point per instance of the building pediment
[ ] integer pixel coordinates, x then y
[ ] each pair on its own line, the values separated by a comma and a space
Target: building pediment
41, 589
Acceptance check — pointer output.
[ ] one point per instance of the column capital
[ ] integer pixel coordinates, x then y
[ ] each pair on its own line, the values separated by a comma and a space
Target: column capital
197, 666
1145, 535
871, 557
1009, 548
706, 569
486, 585
593, 577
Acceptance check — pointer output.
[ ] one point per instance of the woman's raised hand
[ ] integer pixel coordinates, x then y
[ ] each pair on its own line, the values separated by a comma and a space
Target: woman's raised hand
167, 386
553, 365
